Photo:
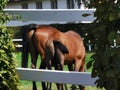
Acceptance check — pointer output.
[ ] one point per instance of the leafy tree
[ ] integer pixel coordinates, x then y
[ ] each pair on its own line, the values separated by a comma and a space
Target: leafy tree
8, 75
102, 32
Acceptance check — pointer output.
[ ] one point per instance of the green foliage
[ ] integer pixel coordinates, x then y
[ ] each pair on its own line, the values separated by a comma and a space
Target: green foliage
2, 4
102, 32
3, 15
8, 75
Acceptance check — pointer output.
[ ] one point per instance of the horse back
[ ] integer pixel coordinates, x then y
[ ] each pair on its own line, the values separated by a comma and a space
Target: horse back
42, 34
75, 45
74, 38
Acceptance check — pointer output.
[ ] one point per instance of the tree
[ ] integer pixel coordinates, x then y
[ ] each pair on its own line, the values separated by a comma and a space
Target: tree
8, 75
102, 32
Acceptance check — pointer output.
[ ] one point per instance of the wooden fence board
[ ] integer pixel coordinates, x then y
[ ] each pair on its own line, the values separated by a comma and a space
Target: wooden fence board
66, 77
49, 16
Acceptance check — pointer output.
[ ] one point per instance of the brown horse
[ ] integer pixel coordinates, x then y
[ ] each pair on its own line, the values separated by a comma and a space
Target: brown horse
53, 50
53, 54
35, 40
76, 55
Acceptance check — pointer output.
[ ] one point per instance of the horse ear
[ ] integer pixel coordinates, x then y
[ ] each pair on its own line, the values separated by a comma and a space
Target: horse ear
61, 46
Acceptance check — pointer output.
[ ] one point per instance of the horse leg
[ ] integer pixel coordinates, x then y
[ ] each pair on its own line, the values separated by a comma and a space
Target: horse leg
60, 63
33, 66
34, 56
82, 69
49, 85
49, 54
59, 85
43, 66
71, 68
79, 66
25, 54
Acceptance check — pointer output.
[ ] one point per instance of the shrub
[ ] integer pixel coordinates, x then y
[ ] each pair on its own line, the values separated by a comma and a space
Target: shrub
8, 75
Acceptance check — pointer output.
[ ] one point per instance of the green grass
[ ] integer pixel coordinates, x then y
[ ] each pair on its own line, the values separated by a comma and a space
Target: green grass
27, 85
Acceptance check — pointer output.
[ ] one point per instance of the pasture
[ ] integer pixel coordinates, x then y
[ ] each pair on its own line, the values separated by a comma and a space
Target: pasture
27, 85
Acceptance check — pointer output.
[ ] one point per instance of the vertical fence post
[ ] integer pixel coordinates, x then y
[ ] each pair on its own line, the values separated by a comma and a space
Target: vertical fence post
89, 46
114, 43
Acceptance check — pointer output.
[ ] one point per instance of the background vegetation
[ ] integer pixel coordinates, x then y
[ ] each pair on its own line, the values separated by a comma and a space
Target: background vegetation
102, 32
105, 61
8, 76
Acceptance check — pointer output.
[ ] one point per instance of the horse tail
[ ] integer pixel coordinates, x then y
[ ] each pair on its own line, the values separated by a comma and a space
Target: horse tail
61, 46
52, 54
25, 29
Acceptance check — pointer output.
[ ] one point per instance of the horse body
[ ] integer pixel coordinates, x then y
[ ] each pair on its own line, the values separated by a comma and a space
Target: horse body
34, 41
76, 53
39, 39
75, 46
41, 35
76, 49
74, 43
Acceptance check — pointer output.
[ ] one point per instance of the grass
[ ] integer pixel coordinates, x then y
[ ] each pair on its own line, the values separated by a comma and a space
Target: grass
27, 85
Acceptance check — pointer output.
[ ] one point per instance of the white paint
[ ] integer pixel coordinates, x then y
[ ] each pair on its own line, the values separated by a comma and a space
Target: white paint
54, 15
46, 4
62, 4
65, 77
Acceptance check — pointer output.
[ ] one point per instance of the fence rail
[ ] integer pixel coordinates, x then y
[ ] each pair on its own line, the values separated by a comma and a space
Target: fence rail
18, 45
48, 16
65, 77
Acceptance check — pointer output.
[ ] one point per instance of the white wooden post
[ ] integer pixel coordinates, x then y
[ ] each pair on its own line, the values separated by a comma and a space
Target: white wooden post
89, 46
114, 43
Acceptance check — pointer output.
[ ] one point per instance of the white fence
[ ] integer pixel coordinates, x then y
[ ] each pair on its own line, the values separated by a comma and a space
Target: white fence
66, 77
53, 16
48, 16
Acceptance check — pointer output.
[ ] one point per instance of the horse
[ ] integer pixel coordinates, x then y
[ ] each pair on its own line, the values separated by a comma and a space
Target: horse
37, 37
52, 57
76, 55
34, 42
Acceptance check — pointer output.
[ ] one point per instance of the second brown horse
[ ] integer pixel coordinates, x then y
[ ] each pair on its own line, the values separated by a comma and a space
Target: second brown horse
76, 55
35, 39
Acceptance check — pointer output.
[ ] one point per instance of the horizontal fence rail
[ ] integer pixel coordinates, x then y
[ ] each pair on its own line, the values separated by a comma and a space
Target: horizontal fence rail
48, 16
18, 45
65, 77
17, 40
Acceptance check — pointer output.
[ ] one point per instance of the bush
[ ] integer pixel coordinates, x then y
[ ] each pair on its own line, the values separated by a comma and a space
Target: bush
106, 60
8, 75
